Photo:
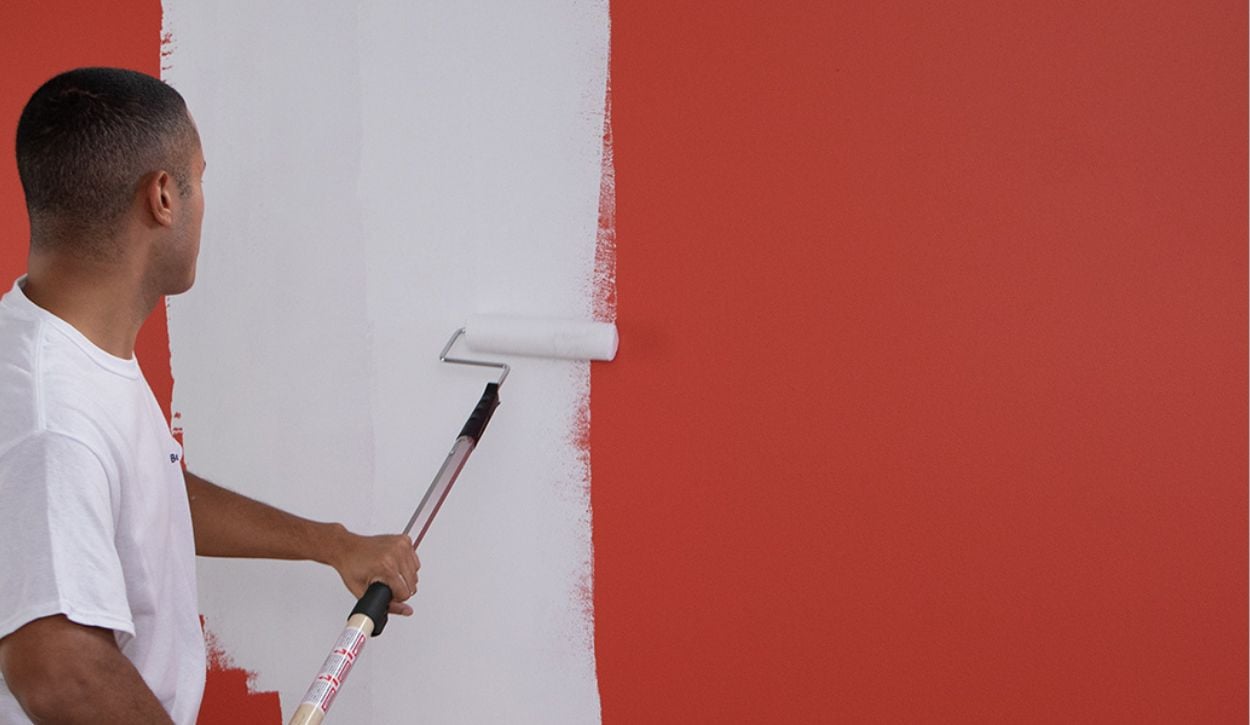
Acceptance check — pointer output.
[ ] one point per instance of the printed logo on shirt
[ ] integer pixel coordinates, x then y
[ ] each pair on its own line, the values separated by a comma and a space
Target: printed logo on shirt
173, 457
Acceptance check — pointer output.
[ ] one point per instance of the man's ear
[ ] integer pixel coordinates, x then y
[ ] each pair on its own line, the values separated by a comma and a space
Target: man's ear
159, 197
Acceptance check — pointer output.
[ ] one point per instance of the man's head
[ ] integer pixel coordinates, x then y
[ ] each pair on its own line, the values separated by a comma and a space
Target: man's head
88, 143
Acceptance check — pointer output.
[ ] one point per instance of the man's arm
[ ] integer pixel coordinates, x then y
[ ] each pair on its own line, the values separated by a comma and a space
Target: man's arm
230, 524
68, 673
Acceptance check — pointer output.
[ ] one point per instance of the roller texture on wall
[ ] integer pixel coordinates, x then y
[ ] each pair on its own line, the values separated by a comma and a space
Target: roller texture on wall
378, 172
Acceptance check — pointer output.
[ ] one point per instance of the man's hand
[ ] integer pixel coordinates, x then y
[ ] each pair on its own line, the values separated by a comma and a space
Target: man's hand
390, 559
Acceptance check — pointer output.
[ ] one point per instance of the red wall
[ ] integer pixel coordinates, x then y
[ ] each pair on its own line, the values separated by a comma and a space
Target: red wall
931, 400
931, 404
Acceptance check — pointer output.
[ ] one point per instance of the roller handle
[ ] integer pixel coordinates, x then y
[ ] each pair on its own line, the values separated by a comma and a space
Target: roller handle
375, 604
377, 598
476, 425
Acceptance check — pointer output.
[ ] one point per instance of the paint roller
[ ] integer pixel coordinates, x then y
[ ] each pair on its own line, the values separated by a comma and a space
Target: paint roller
491, 334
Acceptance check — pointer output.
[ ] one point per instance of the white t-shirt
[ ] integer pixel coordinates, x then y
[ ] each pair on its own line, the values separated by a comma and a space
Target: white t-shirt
94, 520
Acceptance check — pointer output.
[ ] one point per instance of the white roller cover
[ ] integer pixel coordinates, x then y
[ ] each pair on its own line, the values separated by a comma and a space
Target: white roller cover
537, 337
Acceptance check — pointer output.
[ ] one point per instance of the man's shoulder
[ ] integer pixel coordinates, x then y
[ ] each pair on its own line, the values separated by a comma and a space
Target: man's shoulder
19, 384
46, 383
19, 335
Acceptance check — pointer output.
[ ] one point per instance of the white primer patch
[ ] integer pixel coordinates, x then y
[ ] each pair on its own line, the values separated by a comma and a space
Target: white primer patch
378, 172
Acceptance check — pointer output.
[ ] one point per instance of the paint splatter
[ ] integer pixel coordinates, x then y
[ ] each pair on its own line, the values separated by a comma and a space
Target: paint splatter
229, 694
167, 48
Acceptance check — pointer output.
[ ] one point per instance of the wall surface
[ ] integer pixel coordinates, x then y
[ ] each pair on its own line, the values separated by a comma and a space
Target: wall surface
378, 172
932, 396
932, 399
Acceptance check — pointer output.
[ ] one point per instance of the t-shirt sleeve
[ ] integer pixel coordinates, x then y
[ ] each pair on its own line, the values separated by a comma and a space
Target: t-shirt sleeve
58, 553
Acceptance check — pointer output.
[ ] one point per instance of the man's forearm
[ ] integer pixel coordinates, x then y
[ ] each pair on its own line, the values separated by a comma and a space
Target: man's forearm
230, 524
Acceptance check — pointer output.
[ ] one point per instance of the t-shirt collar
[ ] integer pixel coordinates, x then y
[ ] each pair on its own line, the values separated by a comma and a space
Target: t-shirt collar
17, 301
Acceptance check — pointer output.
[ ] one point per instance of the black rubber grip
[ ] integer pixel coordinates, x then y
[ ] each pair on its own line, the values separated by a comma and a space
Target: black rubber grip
374, 605
476, 425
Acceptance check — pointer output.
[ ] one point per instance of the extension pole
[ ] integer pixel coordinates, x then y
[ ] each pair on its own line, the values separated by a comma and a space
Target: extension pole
369, 616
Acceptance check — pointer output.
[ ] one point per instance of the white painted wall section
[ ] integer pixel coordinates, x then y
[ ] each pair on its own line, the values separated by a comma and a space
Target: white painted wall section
377, 172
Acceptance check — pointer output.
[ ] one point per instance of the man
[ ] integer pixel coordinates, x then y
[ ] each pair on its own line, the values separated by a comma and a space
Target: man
99, 525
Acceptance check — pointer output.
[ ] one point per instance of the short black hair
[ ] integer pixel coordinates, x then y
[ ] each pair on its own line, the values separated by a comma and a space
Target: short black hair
87, 137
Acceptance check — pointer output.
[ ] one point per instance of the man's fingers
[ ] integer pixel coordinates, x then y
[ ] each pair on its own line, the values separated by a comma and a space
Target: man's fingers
407, 564
412, 573
409, 587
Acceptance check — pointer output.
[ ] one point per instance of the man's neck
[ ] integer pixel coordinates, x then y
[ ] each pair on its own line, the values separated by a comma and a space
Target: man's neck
106, 302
